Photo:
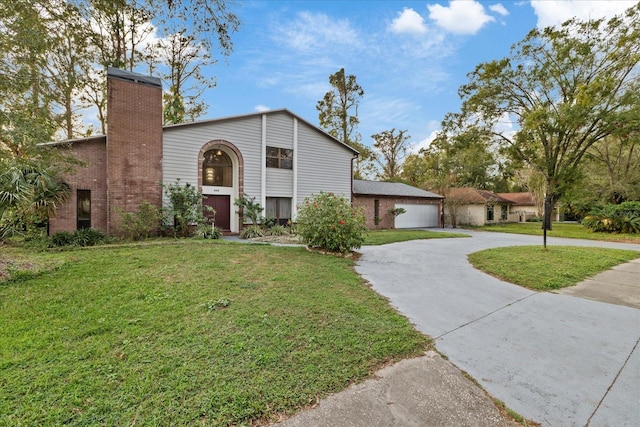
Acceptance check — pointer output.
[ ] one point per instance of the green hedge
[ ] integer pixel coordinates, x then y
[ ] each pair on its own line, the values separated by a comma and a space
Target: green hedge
622, 218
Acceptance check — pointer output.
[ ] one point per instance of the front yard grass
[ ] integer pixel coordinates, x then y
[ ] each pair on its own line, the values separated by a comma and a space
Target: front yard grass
188, 333
382, 237
544, 269
561, 229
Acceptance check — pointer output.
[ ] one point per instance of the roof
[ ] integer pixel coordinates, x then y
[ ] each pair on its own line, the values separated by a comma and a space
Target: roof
260, 113
519, 199
133, 77
474, 196
377, 188
75, 140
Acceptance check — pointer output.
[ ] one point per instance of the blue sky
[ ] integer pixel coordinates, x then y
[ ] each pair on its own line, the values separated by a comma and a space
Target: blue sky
410, 57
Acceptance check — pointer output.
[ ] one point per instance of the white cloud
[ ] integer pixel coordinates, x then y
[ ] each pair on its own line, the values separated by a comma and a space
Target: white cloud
312, 30
424, 143
461, 17
499, 9
409, 21
555, 12
260, 108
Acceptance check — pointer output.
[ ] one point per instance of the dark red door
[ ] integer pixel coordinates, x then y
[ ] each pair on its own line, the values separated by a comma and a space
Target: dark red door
222, 206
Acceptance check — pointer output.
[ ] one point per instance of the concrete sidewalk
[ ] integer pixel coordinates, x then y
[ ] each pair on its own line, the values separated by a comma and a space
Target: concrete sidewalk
620, 286
425, 391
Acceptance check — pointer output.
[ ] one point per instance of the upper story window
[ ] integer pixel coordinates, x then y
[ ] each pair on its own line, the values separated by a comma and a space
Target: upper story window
217, 169
281, 158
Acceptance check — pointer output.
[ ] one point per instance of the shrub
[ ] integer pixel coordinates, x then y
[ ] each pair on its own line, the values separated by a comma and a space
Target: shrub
252, 231
61, 238
141, 224
329, 222
89, 237
249, 208
622, 218
278, 230
185, 213
83, 237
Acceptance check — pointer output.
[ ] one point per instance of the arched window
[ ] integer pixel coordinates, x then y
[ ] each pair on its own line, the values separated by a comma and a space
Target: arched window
217, 169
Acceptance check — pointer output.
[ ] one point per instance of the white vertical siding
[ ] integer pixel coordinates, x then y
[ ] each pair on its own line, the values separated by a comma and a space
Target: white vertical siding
319, 163
280, 130
323, 164
183, 143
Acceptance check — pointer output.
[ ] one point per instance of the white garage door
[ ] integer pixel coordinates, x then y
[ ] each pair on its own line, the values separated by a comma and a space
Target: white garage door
417, 216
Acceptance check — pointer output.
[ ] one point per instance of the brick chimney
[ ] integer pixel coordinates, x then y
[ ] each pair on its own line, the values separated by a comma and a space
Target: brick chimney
134, 143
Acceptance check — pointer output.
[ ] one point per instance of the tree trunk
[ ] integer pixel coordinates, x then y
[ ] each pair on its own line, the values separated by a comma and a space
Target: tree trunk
549, 204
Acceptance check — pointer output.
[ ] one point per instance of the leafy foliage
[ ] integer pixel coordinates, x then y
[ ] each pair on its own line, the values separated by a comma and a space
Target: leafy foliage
338, 115
83, 237
390, 151
250, 209
622, 218
141, 224
564, 89
329, 222
185, 212
251, 232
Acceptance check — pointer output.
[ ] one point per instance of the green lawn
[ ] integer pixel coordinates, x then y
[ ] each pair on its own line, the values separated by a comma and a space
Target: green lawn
543, 269
560, 229
188, 333
382, 237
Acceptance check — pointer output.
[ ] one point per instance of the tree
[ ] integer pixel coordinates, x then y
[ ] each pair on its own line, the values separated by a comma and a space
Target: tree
29, 194
391, 150
184, 59
566, 89
338, 115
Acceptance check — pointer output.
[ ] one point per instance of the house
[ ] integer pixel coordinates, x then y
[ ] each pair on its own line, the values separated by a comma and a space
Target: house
380, 199
275, 156
470, 206
523, 206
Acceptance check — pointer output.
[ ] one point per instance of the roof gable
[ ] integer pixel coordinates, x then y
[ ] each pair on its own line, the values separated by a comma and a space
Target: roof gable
258, 114
474, 196
398, 189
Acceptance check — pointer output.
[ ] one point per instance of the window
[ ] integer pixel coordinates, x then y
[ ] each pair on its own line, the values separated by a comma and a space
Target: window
83, 209
279, 208
217, 169
376, 211
489, 212
281, 158
503, 213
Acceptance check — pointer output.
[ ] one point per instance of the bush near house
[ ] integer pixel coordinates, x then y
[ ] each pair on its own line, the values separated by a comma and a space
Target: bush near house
329, 222
622, 218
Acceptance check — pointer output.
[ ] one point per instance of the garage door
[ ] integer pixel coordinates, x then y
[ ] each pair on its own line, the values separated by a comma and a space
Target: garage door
417, 216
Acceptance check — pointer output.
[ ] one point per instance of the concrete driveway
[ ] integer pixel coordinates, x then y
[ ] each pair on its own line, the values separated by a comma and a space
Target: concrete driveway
555, 359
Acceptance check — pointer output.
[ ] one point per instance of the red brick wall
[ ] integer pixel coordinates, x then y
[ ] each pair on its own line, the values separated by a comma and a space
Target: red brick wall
386, 220
90, 176
134, 147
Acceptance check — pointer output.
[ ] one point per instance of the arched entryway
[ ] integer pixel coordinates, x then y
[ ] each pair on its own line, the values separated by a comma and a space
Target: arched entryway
220, 179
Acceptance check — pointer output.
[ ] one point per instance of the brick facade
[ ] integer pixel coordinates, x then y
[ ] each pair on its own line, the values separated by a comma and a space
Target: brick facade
385, 203
92, 152
134, 145
124, 168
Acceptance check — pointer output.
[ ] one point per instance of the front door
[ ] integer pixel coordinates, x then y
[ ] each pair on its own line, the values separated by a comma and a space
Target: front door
222, 206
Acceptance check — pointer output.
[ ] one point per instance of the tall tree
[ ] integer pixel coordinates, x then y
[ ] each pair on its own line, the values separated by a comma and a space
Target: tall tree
338, 115
566, 89
391, 150
26, 111
184, 59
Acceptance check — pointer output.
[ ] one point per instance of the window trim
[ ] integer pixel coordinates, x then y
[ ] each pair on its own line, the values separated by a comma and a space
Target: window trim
283, 158
83, 222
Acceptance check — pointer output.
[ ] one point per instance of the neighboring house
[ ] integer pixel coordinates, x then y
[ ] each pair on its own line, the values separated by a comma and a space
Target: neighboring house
469, 206
275, 156
523, 206
422, 208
